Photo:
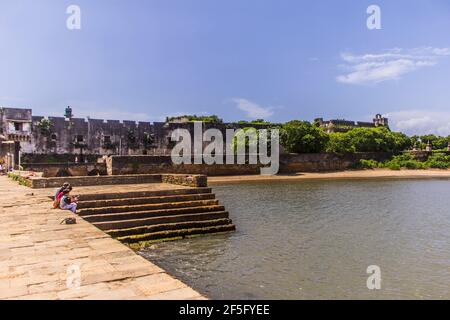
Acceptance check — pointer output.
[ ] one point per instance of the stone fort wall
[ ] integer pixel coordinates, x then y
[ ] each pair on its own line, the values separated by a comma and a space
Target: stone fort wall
132, 165
289, 163
107, 137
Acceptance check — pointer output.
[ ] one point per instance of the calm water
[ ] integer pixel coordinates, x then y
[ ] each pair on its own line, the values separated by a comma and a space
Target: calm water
315, 240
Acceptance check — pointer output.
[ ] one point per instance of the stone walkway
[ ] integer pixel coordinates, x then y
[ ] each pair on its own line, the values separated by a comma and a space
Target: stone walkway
43, 259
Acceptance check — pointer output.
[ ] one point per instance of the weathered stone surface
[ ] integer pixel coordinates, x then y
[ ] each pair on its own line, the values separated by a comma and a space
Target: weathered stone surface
123, 224
67, 169
36, 252
153, 213
146, 207
198, 180
38, 183
289, 163
144, 200
175, 179
117, 165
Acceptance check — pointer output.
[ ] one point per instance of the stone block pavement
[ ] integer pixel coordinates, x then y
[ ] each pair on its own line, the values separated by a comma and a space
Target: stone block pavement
43, 259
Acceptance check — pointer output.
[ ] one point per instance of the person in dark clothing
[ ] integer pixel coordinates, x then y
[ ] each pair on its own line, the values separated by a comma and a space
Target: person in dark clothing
64, 186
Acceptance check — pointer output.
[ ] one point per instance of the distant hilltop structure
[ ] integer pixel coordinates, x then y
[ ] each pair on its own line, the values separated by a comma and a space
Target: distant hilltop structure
341, 125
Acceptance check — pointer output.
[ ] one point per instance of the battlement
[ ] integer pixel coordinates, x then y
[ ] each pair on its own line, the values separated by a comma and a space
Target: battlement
97, 137
86, 136
342, 125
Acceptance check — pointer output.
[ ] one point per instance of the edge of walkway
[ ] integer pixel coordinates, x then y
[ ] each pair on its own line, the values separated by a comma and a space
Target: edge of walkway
43, 259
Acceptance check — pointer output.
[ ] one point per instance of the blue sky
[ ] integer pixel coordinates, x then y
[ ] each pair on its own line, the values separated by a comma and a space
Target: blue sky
239, 59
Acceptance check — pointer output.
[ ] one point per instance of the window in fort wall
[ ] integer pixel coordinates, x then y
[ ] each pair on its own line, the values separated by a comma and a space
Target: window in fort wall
79, 138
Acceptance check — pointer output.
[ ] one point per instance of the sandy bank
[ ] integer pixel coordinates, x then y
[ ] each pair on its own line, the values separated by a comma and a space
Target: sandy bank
353, 174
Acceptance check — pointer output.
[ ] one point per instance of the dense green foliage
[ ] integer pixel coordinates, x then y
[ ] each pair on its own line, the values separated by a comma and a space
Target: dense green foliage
148, 140
407, 161
368, 140
368, 164
438, 161
21, 180
340, 143
403, 161
211, 118
257, 121
303, 137
438, 142
45, 127
241, 138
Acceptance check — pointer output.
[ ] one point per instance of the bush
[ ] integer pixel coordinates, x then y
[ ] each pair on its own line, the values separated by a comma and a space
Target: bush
438, 161
21, 180
438, 142
413, 165
404, 161
339, 143
45, 127
379, 139
191, 118
393, 166
303, 137
368, 164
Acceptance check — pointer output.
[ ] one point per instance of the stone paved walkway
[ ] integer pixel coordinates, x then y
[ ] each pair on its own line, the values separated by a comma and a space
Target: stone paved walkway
40, 258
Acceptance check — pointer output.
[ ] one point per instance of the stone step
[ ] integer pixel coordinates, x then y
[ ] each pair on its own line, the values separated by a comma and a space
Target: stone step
144, 200
167, 226
134, 223
167, 234
146, 207
152, 213
143, 194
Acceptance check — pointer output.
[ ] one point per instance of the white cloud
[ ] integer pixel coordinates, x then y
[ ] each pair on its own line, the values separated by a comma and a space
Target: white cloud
252, 109
389, 65
420, 122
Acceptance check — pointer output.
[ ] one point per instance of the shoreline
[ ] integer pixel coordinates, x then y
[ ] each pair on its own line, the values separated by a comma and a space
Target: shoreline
338, 175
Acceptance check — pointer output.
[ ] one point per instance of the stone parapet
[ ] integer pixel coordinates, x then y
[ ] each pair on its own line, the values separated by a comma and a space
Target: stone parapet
197, 180
184, 180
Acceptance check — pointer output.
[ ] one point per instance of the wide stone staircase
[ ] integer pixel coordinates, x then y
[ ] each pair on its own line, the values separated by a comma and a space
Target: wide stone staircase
154, 215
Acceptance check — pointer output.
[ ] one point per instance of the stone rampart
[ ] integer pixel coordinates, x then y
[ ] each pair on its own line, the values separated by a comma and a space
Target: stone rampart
289, 163
184, 180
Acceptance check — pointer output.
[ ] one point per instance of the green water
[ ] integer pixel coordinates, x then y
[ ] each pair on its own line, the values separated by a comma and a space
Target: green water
315, 240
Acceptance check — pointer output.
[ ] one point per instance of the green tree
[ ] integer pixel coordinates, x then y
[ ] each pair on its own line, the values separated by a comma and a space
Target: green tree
191, 118
147, 140
242, 139
379, 139
45, 127
339, 143
302, 137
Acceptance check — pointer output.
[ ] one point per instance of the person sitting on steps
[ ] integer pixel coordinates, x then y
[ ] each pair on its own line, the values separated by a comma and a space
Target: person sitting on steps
67, 201
64, 186
59, 194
